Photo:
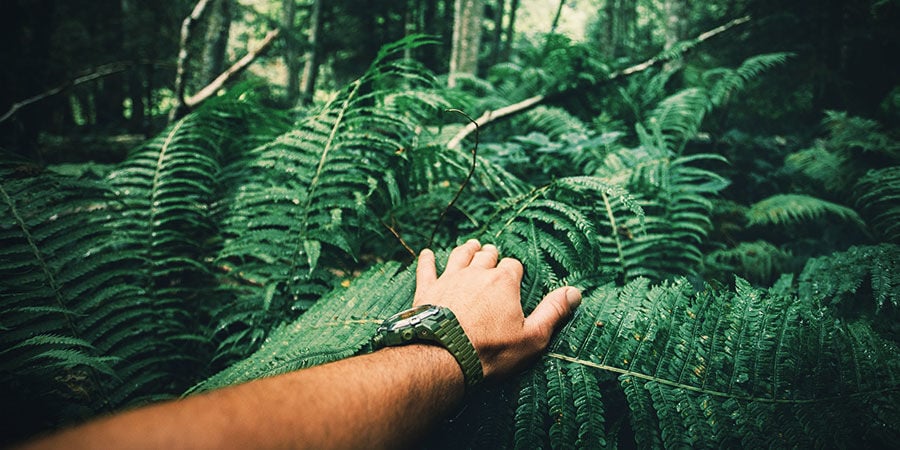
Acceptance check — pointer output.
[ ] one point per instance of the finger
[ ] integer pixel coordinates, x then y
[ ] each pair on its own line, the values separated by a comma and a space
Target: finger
550, 312
513, 266
486, 257
426, 272
461, 256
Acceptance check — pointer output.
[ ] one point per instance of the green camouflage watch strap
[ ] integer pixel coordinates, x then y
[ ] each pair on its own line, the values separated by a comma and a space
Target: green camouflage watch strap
436, 325
452, 336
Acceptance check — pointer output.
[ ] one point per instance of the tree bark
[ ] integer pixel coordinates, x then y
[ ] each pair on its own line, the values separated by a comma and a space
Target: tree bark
311, 66
510, 31
497, 36
466, 38
215, 42
674, 11
291, 52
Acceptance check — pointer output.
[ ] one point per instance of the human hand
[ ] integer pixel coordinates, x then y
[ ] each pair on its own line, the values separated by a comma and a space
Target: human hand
485, 297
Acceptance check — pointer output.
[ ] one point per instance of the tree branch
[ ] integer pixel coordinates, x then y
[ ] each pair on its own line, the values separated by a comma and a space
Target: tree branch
525, 105
231, 72
96, 73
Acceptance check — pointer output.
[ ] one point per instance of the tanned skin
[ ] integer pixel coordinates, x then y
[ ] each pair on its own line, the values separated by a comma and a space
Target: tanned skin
385, 399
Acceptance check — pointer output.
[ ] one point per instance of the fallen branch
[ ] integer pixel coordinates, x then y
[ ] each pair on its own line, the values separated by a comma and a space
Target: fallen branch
231, 72
97, 73
524, 105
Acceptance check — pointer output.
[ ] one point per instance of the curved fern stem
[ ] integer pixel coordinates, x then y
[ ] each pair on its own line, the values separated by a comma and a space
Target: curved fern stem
51, 280
615, 233
688, 387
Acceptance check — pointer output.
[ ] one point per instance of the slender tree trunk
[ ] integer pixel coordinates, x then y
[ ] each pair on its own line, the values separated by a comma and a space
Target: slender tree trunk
674, 21
497, 37
311, 66
510, 31
133, 25
110, 96
466, 38
215, 42
291, 51
608, 38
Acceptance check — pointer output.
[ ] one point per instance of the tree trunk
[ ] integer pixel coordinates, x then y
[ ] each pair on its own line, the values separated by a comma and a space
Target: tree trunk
466, 38
608, 38
215, 42
133, 25
510, 31
497, 37
291, 51
674, 21
311, 66
110, 96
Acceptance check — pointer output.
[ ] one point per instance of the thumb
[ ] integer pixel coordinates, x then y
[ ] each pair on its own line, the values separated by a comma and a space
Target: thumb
553, 309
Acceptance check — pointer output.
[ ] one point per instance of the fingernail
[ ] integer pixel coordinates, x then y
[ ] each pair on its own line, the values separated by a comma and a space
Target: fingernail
573, 296
475, 241
489, 247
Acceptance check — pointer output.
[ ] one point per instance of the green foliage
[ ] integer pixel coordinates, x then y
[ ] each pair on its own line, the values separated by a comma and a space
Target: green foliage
747, 367
878, 198
840, 278
237, 245
795, 208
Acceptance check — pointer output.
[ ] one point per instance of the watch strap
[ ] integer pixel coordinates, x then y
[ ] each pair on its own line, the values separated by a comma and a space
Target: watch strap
452, 336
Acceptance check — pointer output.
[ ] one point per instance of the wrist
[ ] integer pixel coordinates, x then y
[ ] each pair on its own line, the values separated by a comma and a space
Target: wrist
433, 325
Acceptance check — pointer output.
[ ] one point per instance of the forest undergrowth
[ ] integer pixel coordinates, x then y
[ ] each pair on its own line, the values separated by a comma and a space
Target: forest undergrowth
735, 286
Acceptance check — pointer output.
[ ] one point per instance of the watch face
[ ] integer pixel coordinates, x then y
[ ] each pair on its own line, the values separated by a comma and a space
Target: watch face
412, 316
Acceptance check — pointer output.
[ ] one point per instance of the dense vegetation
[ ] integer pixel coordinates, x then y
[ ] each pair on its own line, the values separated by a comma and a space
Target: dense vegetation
737, 284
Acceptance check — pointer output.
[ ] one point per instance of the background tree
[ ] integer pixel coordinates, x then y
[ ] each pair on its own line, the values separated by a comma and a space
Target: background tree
466, 46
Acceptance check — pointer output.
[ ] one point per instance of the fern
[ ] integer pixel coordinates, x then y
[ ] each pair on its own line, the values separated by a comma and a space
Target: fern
839, 277
717, 368
77, 323
314, 191
788, 209
877, 194
758, 261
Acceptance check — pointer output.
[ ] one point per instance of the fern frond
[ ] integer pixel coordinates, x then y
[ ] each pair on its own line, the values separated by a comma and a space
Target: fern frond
758, 261
784, 209
77, 321
724, 82
838, 278
718, 368
878, 198
850, 134
828, 168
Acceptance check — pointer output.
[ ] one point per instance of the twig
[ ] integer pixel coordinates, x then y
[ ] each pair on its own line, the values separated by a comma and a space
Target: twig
524, 105
399, 238
473, 123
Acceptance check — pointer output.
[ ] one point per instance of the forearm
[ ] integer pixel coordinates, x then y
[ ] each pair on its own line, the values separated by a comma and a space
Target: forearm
384, 399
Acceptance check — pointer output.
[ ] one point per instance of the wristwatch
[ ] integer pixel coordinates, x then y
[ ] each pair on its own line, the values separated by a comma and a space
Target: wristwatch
431, 324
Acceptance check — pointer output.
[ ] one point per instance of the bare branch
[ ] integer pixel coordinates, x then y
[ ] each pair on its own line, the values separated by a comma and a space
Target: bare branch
231, 72
96, 73
525, 105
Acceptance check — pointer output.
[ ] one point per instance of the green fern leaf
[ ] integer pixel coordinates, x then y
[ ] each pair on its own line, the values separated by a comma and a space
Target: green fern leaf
797, 208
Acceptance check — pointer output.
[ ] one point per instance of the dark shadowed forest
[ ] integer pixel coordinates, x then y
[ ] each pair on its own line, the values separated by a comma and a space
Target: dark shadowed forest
195, 194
